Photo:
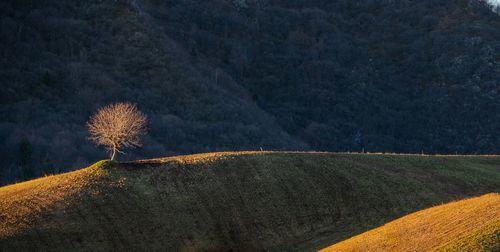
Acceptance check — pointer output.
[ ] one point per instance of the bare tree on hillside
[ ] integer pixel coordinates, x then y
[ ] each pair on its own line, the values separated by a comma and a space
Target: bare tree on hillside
117, 126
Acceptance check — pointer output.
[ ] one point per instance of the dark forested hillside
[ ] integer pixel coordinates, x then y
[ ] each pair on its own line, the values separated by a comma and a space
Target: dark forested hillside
396, 76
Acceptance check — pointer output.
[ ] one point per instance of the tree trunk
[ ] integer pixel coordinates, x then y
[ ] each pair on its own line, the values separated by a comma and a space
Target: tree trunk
113, 153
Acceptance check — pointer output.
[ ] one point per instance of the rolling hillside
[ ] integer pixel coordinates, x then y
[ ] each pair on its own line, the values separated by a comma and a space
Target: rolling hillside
224, 201
218, 75
466, 225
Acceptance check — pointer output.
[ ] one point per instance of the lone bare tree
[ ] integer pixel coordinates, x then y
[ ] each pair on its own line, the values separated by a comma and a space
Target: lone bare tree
117, 126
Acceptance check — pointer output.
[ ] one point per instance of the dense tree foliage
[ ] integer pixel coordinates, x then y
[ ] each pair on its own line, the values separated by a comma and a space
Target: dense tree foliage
398, 76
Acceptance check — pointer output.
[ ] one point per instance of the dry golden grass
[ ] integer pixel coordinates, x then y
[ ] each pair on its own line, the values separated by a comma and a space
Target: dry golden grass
21, 204
199, 158
218, 156
484, 239
445, 225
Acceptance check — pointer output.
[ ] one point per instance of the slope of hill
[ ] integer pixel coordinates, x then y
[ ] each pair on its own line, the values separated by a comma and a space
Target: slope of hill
393, 76
224, 201
466, 225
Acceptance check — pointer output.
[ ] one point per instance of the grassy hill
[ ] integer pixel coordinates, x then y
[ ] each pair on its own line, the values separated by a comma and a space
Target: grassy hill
466, 225
383, 76
224, 201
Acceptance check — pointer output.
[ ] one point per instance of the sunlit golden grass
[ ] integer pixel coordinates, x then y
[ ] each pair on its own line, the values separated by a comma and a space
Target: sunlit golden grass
214, 156
466, 225
21, 204
486, 238
200, 157
245, 201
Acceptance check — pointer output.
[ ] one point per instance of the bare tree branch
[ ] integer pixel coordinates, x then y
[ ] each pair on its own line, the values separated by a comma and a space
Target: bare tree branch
117, 126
